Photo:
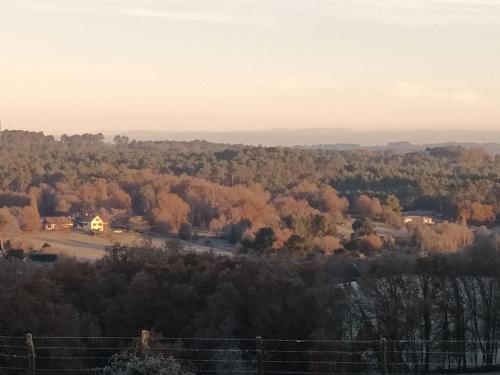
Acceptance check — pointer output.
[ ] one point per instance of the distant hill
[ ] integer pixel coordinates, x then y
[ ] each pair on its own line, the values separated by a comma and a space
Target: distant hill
334, 138
407, 147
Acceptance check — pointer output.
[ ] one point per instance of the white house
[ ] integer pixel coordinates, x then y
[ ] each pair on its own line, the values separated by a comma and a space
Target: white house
96, 224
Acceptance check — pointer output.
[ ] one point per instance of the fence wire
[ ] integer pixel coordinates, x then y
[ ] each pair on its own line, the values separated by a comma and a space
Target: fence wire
197, 355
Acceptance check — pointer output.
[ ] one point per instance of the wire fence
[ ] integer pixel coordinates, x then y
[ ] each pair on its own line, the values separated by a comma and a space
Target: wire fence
260, 356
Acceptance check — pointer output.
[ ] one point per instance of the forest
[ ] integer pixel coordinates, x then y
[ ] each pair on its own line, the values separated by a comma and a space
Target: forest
263, 199
446, 303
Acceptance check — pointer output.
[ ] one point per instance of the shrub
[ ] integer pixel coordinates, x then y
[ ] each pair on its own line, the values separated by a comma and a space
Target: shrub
371, 243
131, 364
44, 258
447, 237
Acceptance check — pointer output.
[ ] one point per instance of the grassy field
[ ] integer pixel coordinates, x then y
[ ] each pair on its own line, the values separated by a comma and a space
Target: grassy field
88, 247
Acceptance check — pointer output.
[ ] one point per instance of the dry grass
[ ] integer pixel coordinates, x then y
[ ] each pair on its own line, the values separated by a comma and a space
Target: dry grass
87, 247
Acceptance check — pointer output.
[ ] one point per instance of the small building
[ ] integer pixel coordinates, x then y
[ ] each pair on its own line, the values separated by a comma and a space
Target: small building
419, 219
422, 216
58, 223
95, 224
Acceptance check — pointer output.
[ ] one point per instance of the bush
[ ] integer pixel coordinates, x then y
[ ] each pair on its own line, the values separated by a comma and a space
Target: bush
363, 227
15, 253
371, 243
447, 237
44, 258
131, 364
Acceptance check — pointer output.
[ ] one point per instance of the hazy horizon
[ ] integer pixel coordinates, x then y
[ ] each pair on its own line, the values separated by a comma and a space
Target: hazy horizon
320, 136
242, 65
308, 137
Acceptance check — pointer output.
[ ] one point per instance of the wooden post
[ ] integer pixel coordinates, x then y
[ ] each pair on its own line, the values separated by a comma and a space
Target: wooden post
260, 355
144, 343
31, 354
383, 356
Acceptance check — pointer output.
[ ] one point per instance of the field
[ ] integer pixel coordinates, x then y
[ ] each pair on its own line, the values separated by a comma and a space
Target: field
88, 247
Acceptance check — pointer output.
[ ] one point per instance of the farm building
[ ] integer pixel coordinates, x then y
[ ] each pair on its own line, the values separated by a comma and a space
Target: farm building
58, 223
418, 219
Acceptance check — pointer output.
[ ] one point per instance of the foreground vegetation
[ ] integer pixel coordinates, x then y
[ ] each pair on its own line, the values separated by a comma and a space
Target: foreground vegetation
179, 294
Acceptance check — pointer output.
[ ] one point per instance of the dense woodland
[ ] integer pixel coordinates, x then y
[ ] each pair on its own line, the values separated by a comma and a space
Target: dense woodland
287, 198
447, 302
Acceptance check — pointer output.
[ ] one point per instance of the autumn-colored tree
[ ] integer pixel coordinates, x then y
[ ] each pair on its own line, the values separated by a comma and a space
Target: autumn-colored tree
368, 207
391, 212
306, 190
170, 212
245, 203
289, 207
392, 202
29, 217
476, 213
327, 244
392, 218
282, 235
371, 243
117, 198
331, 203
8, 222
323, 198
447, 237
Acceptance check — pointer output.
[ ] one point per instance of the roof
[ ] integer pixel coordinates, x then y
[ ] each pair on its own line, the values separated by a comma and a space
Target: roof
92, 218
61, 220
422, 213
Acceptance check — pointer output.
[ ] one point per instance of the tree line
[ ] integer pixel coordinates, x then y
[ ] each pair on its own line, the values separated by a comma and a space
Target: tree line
292, 198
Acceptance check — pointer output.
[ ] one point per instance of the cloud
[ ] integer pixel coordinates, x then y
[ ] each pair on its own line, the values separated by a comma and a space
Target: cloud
410, 90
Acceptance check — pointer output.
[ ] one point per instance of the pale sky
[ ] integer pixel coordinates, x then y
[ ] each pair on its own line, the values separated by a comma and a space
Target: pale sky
115, 65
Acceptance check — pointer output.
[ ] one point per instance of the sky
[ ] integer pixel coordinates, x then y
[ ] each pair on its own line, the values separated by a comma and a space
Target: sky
231, 65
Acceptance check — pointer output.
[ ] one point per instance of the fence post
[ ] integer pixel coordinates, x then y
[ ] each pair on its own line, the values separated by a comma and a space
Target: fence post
144, 342
383, 356
260, 355
31, 353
